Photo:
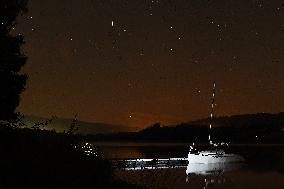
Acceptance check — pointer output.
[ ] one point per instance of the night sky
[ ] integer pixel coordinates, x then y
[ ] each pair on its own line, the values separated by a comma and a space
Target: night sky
136, 62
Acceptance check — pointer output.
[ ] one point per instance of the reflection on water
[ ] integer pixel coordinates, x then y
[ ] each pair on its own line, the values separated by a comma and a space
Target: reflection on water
142, 150
264, 168
211, 181
211, 173
176, 179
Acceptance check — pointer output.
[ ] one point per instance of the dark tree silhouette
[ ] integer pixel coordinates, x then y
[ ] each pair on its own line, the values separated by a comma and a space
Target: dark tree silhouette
12, 82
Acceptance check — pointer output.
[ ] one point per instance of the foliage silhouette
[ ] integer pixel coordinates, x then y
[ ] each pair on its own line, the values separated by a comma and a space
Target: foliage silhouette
35, 158
74, 126
12, 82
43, 159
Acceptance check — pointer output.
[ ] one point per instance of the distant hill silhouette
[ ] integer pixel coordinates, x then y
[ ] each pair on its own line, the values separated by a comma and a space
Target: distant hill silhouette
60, 124
247, 119
255, 128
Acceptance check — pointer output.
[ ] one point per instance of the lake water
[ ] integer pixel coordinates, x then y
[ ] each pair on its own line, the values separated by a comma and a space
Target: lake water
263, 166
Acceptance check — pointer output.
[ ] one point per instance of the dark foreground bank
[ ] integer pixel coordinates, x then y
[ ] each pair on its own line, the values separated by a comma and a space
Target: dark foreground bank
43, 159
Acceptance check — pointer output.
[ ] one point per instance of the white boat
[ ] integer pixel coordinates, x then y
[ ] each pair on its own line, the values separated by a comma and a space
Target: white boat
207, 161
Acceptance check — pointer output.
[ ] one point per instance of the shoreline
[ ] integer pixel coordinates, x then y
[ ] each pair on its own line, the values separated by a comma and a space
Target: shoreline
166, 144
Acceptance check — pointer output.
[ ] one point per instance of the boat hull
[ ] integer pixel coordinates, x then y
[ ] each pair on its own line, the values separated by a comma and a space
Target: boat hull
212, 162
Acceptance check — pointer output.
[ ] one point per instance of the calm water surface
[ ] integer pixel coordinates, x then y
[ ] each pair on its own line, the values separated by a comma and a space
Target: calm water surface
263, 168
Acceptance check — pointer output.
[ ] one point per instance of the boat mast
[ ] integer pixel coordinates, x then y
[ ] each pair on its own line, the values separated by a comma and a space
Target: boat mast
212, 111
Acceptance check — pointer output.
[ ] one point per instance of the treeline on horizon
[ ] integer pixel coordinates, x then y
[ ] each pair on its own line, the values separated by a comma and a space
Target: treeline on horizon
259, 128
